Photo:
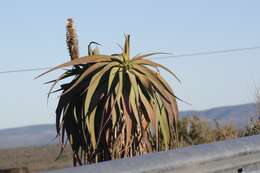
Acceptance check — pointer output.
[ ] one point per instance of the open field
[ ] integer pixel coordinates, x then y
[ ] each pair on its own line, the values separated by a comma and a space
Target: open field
35, 158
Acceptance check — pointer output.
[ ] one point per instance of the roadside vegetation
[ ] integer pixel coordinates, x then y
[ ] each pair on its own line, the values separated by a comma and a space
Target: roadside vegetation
192, 131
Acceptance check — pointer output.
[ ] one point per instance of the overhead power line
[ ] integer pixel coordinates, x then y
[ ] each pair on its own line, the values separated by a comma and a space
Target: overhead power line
160, 57
24, 70
209, 52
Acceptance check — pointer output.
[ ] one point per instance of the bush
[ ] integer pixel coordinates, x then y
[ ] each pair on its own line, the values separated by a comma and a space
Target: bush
194, 130
253, 128
224, 132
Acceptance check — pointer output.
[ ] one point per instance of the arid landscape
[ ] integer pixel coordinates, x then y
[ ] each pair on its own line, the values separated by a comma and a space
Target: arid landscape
130, 87
193, 130
35, 158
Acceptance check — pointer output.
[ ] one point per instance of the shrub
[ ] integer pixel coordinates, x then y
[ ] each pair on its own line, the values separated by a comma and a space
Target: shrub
194, 130
253, 128
225, 131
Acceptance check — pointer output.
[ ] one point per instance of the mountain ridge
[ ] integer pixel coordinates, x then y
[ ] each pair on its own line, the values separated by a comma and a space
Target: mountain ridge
238, 115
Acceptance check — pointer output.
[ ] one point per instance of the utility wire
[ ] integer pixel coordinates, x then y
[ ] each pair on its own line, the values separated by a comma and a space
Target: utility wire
208, 52
160, 57
24, 70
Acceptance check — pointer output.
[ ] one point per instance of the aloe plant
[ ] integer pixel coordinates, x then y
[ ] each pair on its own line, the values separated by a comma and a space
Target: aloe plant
115, 105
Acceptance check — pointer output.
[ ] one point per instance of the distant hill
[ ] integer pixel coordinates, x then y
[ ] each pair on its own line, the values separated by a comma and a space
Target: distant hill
36, 135
41, 135
238, 115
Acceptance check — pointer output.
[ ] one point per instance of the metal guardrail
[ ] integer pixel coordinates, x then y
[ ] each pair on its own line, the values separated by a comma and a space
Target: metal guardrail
231, 156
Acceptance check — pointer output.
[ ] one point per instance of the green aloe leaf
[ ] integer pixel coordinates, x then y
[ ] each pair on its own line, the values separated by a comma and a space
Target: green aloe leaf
94, 83
82, 60
138, 57
112, 75
128, 121
91, 127
154, 64
156, 82
126, 54
133, 105
85, 74
148, 108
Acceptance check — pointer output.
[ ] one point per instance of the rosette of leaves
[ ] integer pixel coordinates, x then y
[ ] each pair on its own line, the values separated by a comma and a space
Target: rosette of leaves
114, 106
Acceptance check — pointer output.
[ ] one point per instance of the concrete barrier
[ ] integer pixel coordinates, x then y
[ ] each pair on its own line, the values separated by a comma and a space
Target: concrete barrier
231, 156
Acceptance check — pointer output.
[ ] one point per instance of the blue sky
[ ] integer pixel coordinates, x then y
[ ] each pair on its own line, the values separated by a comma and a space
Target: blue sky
33, 35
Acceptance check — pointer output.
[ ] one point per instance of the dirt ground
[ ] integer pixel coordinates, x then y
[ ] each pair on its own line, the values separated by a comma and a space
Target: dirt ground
35, 158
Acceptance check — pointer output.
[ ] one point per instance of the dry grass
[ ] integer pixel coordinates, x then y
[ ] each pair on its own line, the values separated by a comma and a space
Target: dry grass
35, 158
193, 131
226, 131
